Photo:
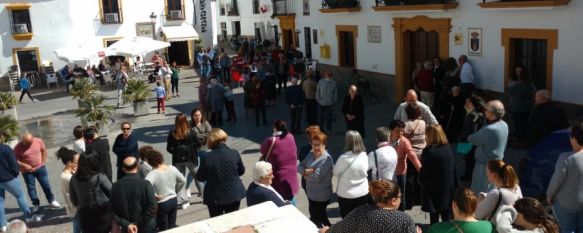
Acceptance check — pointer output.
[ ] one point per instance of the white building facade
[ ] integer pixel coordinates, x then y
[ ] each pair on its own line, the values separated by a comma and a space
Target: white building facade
497, 35
33, 30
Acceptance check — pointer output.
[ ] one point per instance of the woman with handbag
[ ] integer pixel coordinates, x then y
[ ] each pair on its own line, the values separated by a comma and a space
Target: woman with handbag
90, 191
351, 172
415, 132
505, 191
463, 206
281, 151
221, 169
182, 144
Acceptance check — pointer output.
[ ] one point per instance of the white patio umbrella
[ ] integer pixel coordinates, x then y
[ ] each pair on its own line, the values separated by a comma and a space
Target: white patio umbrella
81, 52
135, 46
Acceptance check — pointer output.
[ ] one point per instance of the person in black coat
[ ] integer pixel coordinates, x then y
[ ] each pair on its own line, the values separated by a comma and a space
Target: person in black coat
353, 111
437, 175
546, 118
473, 121
260, 189
133, 200
100, 145
126, 144
220, 169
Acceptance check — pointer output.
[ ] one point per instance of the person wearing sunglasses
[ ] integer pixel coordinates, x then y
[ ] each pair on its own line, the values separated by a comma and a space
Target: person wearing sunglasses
126, 144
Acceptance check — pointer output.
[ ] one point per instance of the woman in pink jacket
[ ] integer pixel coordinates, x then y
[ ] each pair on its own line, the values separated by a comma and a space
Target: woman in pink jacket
404, 152
280, 150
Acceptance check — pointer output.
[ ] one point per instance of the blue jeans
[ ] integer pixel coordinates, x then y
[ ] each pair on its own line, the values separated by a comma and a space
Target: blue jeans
13, 187
43, 179
76, 224
569, 221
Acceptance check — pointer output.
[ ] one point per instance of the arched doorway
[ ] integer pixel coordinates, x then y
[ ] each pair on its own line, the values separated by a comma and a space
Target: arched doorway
417, 39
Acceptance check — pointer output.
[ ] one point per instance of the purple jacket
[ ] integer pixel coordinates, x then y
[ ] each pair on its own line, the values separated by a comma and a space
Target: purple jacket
283, 158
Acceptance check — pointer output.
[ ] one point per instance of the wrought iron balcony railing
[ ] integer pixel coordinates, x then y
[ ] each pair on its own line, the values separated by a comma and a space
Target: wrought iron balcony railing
232, 9
334, 4
410, 2
283, 7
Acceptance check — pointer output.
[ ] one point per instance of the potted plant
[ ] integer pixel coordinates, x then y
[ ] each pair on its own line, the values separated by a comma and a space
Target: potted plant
137, 92
95, 112
7, 102
83, 89
9, 126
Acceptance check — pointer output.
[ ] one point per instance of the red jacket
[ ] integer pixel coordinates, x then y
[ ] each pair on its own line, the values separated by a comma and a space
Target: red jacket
425, 81
405, 151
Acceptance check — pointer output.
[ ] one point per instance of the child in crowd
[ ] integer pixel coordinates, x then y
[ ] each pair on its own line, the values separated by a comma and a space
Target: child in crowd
160, 97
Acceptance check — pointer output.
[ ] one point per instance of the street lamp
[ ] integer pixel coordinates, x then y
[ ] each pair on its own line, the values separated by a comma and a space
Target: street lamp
153, 17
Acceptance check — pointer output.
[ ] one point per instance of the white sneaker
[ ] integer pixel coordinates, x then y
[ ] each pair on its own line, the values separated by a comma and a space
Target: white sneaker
35, 208
35, 100
188, 194
34, 218
3, 228
185, 205
55, 205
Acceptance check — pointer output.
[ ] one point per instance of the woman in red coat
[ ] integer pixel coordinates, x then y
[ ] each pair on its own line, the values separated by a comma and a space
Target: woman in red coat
280, 150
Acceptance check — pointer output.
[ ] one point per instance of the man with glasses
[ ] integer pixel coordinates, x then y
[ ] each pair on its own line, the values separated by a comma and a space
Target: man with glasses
125, 145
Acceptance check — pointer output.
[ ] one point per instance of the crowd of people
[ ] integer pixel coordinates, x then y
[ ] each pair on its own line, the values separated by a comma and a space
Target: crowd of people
414, 162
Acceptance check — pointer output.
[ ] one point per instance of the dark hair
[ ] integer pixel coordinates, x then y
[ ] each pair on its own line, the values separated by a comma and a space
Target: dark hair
382, 191
66, 155
505, 172
280, 125
132, 166
383, 134
144, 150
523, 76
465, 200
89, 133
78, 132
534, 212
450, 64
155, 158
477, 102
125, 123
577, 133
88, 165
194, 110
396, 124
413, 111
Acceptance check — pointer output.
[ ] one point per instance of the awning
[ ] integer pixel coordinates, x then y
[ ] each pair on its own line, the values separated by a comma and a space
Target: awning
183, 32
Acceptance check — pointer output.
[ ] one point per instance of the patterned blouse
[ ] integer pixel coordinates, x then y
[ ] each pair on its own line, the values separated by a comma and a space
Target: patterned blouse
372, 219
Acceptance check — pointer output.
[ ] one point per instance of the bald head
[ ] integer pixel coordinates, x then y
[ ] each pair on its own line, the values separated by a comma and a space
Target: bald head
496, 108
411, 96
27, 139
542, 96
130, 164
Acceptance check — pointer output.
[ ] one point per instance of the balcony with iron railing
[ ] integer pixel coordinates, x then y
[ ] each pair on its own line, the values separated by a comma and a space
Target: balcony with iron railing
509, 4
415, 5
340, 6
283, 7
232, 9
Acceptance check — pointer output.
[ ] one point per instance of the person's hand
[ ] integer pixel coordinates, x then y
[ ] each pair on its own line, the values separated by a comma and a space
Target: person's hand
158, 197
26, 168
308, 171
324, 229
419, 230
549, 201
132, 228
481, 196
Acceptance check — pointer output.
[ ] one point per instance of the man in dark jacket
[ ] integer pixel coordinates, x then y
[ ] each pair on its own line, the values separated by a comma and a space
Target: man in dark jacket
133, 200
546, 118
126, 144
295, 98
101, 146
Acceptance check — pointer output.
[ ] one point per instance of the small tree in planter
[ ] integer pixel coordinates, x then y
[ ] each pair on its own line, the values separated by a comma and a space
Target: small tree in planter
137, 92
96, 112
7, 102
9, 126
82, 90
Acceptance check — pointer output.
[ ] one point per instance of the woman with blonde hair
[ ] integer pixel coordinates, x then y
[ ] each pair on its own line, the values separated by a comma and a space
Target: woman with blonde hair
437, 175
221, 169
182, 144
505, 191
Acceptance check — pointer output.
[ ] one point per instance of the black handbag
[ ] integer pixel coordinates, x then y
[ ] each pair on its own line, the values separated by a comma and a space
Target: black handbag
98, 198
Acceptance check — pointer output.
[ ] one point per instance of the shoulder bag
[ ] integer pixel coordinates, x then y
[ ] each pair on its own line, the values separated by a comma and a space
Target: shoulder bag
376, 164
98, 199
182, 152
497, 205
266, 156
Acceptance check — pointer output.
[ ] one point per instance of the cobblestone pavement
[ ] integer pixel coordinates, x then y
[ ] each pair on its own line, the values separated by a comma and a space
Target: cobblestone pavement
52, 118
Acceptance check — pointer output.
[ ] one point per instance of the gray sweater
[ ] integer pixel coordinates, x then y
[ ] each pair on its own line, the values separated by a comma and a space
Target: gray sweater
327, 92
166, 183
490, 141
319, 183
566, 185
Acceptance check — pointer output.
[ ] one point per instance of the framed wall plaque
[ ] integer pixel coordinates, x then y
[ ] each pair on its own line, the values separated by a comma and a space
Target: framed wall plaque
475, 41
374, 34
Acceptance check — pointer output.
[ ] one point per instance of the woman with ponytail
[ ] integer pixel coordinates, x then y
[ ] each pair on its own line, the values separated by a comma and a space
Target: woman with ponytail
505, 191
529, 214
70, 158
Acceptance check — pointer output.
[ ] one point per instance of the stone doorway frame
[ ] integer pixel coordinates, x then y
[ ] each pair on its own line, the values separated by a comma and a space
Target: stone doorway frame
401, 26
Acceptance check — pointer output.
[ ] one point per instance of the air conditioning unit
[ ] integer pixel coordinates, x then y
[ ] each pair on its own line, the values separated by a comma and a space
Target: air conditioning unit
111, 18
176, 14
20, 28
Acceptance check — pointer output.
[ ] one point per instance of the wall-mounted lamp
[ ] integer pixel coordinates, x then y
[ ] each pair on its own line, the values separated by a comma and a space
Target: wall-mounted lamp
153, 17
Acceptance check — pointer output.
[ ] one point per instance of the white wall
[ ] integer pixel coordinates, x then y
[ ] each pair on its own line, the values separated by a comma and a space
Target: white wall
57, 23
489, 68
248, 19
